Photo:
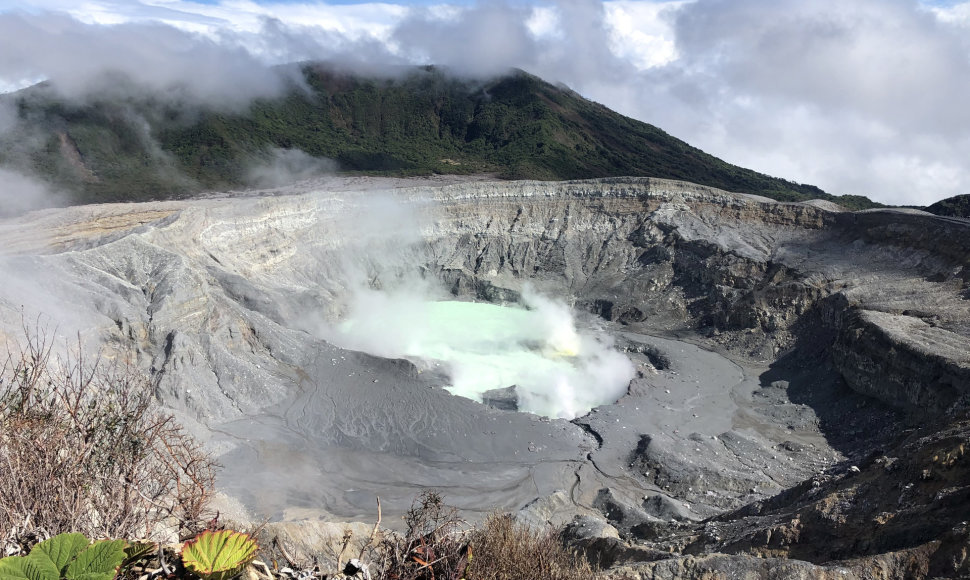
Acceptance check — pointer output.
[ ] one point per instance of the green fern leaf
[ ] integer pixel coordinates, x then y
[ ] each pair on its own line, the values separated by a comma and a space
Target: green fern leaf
218, 555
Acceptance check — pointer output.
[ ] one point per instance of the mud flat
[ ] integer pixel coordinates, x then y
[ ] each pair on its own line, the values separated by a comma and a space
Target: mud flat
362, 427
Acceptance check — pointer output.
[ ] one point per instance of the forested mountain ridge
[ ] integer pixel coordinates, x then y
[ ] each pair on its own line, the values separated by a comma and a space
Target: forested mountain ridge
134, 146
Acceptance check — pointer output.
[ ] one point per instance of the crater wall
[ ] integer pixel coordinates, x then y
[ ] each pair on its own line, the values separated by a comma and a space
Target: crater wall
220, 300
749, 272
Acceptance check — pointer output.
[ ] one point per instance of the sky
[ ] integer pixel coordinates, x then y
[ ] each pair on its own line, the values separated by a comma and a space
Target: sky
863, 97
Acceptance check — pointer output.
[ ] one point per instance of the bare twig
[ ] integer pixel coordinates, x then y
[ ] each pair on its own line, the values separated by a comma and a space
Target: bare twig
343, 549
161, 561
286, 555
373, 534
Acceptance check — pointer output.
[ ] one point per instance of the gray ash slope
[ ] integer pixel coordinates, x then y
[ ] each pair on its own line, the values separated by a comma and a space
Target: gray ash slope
777, 345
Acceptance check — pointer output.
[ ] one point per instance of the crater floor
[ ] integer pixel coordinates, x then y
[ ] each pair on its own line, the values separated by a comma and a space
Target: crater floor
361, 427
774, 346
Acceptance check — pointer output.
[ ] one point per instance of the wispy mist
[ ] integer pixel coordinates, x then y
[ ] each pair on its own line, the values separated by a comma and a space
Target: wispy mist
287, 166
38, 297
8, 115
21, 193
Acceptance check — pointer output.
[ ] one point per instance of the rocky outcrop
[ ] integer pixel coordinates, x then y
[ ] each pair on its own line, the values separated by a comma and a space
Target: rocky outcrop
905, 361
631, 249
681, 255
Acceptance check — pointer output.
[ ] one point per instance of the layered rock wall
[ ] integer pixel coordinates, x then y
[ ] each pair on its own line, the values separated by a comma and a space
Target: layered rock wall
680, 255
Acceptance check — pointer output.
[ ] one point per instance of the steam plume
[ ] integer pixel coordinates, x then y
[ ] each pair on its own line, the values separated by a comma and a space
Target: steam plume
558, 369
286, 166
20, 193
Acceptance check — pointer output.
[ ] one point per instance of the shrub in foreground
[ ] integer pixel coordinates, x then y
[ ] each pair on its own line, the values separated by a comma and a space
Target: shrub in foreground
84, 449
437, 545
504, 549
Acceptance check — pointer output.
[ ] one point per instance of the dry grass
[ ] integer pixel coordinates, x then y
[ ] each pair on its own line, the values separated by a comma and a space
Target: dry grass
437, 545
504, 549
82, 448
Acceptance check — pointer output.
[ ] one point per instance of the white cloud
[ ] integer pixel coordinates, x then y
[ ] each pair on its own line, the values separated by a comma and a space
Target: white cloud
862, 97
84, 57
642, 32
544, 22
958, 13
484, 40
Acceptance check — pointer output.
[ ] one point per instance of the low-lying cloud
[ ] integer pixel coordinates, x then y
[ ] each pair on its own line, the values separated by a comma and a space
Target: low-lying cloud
86, 60
21, 193
287, 166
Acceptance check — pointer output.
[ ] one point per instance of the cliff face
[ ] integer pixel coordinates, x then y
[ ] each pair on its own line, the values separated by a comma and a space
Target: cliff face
630, 249
221, 299
905, 361
888, 285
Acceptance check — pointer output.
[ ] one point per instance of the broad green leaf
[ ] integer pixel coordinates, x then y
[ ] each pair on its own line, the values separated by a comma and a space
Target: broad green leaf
101, 558
95, 576
218, 555
60, 550
39, 567
12, 568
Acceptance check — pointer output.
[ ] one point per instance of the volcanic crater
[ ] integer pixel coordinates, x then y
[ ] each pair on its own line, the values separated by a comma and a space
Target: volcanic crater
770, 360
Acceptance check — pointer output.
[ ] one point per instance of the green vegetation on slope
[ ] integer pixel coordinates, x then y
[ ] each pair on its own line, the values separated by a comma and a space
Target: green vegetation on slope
956, 206
419, 123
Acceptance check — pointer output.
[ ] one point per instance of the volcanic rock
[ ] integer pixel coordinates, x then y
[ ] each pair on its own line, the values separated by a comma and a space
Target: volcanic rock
504, 399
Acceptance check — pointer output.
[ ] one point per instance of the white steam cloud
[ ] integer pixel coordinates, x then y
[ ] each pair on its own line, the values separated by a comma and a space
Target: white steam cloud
558, 369
20, 193
288, 166
387, 308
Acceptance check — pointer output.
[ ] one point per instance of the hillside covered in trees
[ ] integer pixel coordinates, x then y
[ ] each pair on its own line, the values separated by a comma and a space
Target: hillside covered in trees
419, 122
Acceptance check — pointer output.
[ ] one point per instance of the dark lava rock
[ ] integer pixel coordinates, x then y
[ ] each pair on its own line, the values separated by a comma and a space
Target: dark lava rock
506, 399
621, 513
601, 544
661, 506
